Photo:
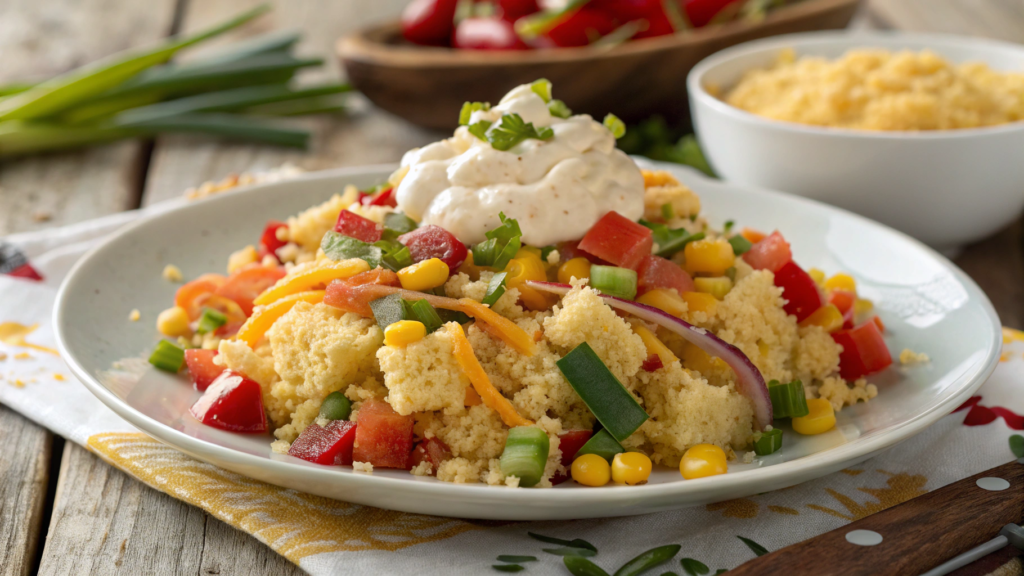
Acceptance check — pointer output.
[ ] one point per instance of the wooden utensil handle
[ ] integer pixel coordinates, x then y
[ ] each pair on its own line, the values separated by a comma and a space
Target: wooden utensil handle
916, 535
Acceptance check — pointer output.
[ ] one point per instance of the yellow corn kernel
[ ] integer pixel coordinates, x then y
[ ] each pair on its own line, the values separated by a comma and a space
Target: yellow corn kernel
424, 275
654, 345
862, 306
703, 460
576, 268
242, 258
631, 468
718, 286
841, 282
591, 470
820, 418
817, 275
712, 257
404, 332
828, 317
529, 251
173, 322
520, 270
664, 299
700, 302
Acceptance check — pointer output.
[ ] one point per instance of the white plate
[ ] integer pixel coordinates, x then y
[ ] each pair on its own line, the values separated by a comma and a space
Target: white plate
927, 304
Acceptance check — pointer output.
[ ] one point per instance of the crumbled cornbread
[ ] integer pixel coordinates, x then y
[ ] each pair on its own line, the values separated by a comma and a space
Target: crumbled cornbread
663, 188
172, 273
134, 315
308, 228
908, 357
424, 375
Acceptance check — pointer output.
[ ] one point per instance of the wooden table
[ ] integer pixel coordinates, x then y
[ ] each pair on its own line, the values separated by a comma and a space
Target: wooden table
62, 510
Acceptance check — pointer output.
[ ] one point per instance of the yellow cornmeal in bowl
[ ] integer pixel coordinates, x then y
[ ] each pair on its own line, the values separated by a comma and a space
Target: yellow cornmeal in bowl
873, 89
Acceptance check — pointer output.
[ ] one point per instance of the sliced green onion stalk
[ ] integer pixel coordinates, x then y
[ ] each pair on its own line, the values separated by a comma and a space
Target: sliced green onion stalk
300, 107
394, 256
467, 111
167, 357
570, 551
766, 443
727, 227
614, 281
613, 406
399, 223
617, 127
211, 320
740, 245
18, 137
340, 247
542, 87
648, 560
579, 566
388, 310
452, 315
574, 543
335, 407
423, 312
501, 245
525, 454
666, 211
495, 288
226, 125
603, 445
558, 109
694, 567
670, 240
788, 400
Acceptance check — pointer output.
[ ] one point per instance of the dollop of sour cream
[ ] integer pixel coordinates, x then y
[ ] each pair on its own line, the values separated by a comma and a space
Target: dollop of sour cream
556, 189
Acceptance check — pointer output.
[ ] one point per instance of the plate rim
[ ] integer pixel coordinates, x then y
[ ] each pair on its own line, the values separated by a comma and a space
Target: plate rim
615, 500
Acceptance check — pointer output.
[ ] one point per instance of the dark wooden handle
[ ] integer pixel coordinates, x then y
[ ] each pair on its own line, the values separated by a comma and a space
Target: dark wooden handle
917, 535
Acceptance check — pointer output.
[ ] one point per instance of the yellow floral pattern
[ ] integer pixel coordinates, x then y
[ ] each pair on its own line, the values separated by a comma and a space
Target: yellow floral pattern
899, 488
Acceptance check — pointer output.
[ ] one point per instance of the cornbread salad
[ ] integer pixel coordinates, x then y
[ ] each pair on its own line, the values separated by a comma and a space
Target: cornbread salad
520, 304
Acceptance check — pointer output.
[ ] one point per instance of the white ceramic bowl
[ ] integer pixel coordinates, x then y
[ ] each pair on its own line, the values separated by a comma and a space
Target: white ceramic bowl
946, 188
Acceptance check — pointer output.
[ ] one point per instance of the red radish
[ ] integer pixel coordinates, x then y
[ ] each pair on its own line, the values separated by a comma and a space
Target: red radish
429, 22
269, 242
201, 368
653, 363
355, 226
864, 350
232, 402
513, 10
330, 445
431, 450
578, 28
431, 241
702, 12
570, 442
245, 285
769, 254
658, 272
799, 289
383, 437
618, 240
487, 34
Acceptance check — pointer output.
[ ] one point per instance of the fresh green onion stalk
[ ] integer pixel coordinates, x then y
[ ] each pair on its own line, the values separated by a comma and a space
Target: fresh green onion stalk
167, 357
614, 281
525, 454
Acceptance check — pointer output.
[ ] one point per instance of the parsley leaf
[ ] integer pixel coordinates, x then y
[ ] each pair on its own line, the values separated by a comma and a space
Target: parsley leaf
468, 108
670, 240
512, 130
479, 129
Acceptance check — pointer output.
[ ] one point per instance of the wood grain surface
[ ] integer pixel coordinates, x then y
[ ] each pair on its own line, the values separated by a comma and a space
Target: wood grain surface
23, 479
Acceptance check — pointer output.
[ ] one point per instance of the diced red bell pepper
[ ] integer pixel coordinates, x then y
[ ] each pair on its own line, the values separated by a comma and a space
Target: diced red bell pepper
487, 34
429, 22
201, 368
844, 300
570, 442
329, 445
345, 294
864, 350
771, 253
702, 12
355, 226
232, 402
618, 240
383, 437
578, 28
431, 241
431, 450
269, 242
799, 289
658, 272
653, 363
245, 285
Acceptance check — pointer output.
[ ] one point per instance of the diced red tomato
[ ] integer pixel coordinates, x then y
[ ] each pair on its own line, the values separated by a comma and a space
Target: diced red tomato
385, 197
383, 437
232, 402
618, 240
347, 295
864, 351
429, 22
702, 12
329, 445
844, 301
431, 450
799, 289
245, 285
653, 363
355, 226
658, 272
431, 241
578, 28
269, 242
769, 254
570, 442
201, 368
569, 250
513, 10
487, 34
201, 287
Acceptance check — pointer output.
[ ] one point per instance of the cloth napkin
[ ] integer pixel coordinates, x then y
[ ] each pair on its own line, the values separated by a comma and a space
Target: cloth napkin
325, 536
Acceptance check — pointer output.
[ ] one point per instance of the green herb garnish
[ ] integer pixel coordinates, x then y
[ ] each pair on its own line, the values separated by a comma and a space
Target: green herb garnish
670, 240
740, 245
388, 310
511, 129
689, 153
507, 567
617, 127
766, 443
211, 320
575, 543
570, 551
694, 567
788, 400
603, 445
579, 566
479, 129
399, 223
613, 406
516, 559
423, 312
754, 546
167, 357
558, 109
394, 256
1017, 445
501, 245
648, 560
340, 247
467, 111
666, 211
495, 289
542, 88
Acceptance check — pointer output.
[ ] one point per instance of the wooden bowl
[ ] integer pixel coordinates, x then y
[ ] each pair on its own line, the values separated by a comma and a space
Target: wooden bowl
427, 85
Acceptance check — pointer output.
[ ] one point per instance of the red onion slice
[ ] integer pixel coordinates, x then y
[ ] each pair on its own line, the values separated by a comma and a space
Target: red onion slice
749, 381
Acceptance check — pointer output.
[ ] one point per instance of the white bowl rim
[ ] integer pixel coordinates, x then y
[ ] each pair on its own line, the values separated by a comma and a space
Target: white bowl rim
611, 496
857, 38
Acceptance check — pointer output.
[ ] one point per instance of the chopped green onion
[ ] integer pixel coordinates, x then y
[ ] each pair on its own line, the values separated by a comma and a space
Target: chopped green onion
603, 445
507, 567
717, 286
546, 251
542, 88
340, 247
648, 560
728, 226
666, 211
399, 222
670, 240
452, 315
579, 566
754, 546
788, 400
614, 281
501, 245
388, 310
516, 559
613, 406
1017, 445
768, 442
335, 407
467, 111
617, 127
394, 255
694, 567
739, 244
423, 312
570, 551
511, 129
525, 454
495, 288
168, 357
558, 109
211, 320
479, 129
575, 543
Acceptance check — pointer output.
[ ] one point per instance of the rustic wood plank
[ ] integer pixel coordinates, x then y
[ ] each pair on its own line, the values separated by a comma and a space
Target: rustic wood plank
1000, 19
364, 137
24, 473
230, 551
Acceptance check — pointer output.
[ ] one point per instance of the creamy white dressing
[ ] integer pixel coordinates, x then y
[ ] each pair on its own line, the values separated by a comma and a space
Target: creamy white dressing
556, 188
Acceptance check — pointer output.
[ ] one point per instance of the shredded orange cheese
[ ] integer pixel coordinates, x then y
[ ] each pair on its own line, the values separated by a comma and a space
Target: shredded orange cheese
264, 316
481, 383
